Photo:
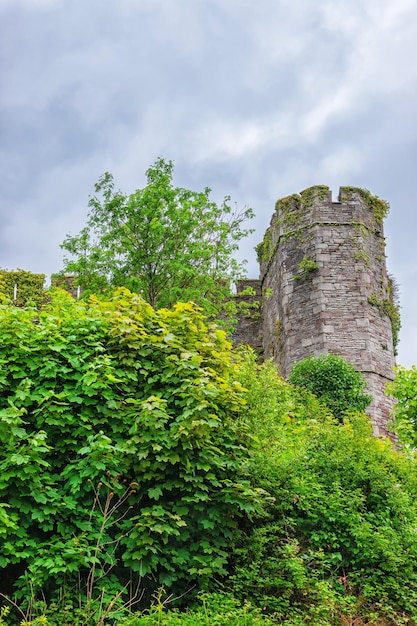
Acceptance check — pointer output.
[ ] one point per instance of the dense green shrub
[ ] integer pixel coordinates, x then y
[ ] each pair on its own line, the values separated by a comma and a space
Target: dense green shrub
213, 609
131, 456
332, 380
120, 460
340, 538
210, 609
270, 400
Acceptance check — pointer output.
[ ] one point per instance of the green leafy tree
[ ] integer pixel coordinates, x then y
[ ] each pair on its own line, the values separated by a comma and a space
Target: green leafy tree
334, 381
404, 390
167, 243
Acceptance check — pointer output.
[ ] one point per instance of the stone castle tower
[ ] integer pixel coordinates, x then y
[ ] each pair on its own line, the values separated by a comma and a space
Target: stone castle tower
324, 288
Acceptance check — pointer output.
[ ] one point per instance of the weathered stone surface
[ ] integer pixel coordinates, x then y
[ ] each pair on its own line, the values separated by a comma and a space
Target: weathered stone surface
325, 306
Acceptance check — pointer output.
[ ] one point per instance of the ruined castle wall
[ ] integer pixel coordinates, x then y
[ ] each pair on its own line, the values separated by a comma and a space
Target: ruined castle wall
325, 264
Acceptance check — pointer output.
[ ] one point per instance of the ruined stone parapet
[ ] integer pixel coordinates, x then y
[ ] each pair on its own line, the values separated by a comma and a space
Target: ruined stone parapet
67, 282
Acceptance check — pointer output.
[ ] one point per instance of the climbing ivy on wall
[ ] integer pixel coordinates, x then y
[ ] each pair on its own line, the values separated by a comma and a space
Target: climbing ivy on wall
378, 207
30, 287
287, 208
388, 307
317, 191
306, 268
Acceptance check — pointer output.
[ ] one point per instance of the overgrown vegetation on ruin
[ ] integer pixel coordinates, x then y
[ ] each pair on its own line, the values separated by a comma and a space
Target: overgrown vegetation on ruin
378, 207
151, 475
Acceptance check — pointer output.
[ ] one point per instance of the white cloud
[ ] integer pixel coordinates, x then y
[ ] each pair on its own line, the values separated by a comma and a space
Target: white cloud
29, 4
343, 162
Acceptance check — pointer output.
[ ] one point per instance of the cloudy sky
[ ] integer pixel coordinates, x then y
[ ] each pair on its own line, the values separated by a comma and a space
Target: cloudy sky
256, 100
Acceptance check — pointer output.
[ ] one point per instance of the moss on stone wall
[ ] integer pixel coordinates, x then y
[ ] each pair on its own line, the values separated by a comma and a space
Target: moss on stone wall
264, 249
286, 222
30, 287
378, 207
309, 195
388, 307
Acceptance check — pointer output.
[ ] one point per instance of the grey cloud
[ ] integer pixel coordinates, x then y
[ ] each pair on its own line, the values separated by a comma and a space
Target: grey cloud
255, 100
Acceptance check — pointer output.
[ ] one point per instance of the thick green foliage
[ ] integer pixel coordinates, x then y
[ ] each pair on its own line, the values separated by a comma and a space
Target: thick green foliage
210, 609
340, 539
214, 609
127, 450
334, 381
404, 390
30, 287
270, 400
119, 455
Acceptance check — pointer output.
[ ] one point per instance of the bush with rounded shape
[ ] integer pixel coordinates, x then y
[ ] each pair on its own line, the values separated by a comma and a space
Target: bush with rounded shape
334, 381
